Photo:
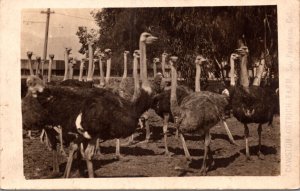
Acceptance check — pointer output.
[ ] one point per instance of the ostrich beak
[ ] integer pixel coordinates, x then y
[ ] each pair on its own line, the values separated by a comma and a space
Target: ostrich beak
151, 39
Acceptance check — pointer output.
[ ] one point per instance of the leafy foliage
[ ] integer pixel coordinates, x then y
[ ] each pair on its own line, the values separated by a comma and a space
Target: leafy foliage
186, 32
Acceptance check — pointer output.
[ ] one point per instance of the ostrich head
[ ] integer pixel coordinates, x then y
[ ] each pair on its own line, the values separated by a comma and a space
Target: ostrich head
35, 84
173, 61
136, 53
29, 54
164, 55
200, 59
126, 52
147, 38
242, 51
155, 60
38, 59
108, 53
68, 50
51, 56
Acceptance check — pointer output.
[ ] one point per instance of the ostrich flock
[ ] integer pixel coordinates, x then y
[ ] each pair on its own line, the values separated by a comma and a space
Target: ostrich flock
78, 114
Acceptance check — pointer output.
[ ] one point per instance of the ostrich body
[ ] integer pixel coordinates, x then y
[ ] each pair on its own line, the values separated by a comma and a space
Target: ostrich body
101, 118
251, 104
197, 113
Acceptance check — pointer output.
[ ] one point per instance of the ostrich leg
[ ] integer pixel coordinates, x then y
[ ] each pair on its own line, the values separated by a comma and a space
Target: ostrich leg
165, 131
259, 130
87, 155
74, 148
29, 135
118, 155
59, 131
246, 133
206, 152
231, 139
55, 162
185, 149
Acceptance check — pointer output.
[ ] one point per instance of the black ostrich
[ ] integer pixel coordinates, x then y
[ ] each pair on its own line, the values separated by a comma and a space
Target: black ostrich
251, 104
55, 106
103, 118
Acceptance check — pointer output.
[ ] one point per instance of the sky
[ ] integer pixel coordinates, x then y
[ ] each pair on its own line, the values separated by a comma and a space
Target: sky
62, 31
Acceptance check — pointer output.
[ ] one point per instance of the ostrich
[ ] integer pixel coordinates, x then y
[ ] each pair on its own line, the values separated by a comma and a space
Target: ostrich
116, 120
161, 104
57, 106
251, 104
197, 113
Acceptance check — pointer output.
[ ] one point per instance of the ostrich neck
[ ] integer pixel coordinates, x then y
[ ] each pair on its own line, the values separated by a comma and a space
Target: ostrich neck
232, 80
136, 80
163, 62
143, 64
259, 71
66, 65
154, 69
197, 78
101, 72
173, 99
108, 66
125, 66
30, 66
244, 80
81, 70
49, 69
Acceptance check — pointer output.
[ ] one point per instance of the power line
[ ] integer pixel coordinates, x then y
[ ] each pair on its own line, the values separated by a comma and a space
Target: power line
74, 16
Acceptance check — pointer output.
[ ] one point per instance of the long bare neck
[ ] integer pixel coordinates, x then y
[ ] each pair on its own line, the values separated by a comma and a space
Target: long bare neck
50, 69
143, 65
66, 65
173, 98
244, 80
197, 78
125, 66
101, 72
259, 71
70, 71
136, 79
163, 62
81, 70
108, 66
154, 69
30, 66
91, 59
232, 80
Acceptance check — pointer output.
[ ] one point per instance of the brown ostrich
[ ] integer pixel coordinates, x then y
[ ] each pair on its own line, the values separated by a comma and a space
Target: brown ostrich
197, 113
161, 105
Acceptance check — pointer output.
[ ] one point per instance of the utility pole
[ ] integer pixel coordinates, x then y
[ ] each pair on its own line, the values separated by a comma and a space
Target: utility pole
48, 12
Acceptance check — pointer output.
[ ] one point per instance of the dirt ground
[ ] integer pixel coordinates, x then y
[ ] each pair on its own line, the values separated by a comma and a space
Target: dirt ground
148, 159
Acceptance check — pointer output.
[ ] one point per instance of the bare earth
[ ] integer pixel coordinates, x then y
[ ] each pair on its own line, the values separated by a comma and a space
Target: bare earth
148, 159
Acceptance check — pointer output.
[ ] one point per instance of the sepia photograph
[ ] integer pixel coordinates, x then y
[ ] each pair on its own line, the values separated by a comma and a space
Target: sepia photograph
152, 93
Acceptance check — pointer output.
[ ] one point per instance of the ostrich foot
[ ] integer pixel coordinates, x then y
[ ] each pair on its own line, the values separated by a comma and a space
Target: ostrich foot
203, 170
260, 156
188, 158
121, 158
169, 154
248, 158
